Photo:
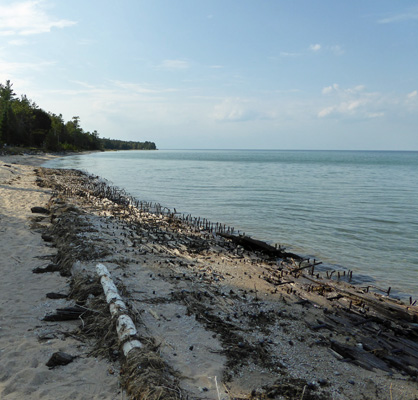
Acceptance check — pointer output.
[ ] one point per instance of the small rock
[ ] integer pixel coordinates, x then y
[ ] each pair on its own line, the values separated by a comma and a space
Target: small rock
40, 210
53, 295
48, 268
46, 336
47, 238
59, 358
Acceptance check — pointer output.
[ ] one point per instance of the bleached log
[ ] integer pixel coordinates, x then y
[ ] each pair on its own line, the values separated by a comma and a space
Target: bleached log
125, 327
128, 346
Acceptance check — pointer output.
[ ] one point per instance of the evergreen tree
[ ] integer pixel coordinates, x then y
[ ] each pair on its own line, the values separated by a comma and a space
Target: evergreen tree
23, 123
7, 119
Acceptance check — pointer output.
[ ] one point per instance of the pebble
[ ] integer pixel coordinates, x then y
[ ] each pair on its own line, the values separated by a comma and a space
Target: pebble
322, 382
312, 385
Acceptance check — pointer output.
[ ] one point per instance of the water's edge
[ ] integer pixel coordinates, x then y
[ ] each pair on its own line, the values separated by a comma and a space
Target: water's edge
174, 179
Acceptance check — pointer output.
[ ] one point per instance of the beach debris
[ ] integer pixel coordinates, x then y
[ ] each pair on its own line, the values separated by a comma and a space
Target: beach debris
48, 268
125, 327
66, 314
290, 388
47, 238
144, 372
47, 336
40, 210
53, 295
366, 329
251, 244
59, 358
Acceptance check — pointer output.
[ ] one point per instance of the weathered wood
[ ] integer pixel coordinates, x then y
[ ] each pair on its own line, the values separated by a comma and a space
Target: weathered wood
125, 327
47, 238
54, 296
66, 314
257, 245
359, 356
40, 210
48, 268
305, 266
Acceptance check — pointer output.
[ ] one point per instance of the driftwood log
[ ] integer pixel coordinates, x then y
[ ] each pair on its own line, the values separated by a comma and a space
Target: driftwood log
251, 244
125, 327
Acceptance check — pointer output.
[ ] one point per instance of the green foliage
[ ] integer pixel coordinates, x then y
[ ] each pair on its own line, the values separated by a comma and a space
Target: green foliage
7, 117
23, 123
114, 144
6, 92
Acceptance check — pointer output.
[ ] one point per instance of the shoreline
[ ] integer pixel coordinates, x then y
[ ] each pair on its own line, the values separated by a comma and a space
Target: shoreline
378, 257
216, 309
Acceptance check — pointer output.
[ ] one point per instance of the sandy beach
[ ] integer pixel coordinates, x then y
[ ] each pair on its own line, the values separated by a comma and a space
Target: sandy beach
217, 317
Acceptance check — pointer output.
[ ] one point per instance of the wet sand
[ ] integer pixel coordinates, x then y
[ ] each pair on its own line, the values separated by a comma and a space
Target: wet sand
216, 319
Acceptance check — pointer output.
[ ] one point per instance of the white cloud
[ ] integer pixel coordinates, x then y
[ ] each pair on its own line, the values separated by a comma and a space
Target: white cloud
287, 54
326, 111
9, 69
376, 115
174, 64
141, 88
17, 42
412, 95
411, 102
337, 50
357, 103
234, 109
315, 47
330, 89
411, 15
352, 102
28, 18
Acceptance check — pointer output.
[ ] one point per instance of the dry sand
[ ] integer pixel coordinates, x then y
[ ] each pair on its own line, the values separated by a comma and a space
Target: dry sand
26, 342
217, 321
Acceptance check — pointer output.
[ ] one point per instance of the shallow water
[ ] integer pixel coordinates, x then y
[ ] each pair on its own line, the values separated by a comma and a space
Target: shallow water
352, 210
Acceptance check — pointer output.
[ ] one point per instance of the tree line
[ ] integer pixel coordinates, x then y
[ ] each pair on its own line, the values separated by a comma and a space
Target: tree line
24, 123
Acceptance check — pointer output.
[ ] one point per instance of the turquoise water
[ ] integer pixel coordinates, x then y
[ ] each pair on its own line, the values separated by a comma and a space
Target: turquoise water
352, 210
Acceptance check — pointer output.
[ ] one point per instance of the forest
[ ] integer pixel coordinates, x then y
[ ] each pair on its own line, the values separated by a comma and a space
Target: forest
24, 124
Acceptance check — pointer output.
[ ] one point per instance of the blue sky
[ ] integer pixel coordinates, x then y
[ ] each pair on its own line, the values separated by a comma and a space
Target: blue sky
222, 74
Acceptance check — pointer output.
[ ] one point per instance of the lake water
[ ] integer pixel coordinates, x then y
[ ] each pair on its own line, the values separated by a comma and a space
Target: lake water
349, 209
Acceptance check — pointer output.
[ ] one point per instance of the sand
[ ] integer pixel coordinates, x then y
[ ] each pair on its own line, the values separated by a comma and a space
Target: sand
213, 324
26, 342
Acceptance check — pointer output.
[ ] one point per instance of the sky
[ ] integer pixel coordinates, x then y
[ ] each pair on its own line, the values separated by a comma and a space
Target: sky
221, 74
